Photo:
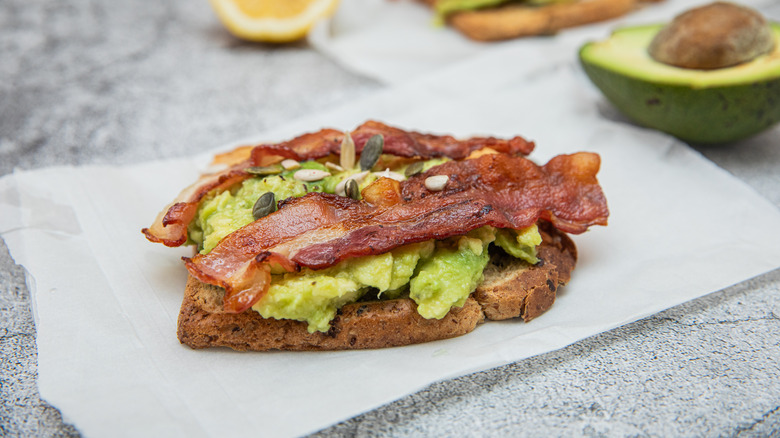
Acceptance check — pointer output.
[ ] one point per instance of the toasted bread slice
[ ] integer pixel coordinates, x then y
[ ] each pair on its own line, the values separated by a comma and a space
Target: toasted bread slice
518, 20
511, 288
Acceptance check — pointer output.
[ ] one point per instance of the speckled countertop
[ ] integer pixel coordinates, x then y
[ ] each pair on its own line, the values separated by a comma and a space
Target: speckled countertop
124, 82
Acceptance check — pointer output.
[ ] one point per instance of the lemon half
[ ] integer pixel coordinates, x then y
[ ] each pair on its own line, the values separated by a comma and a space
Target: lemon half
276, 21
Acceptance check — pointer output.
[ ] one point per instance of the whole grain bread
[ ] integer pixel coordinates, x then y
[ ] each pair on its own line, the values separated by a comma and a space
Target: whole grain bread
511, 288
518, 20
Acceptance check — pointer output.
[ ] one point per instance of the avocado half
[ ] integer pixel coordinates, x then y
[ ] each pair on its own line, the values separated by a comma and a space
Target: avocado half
698, 106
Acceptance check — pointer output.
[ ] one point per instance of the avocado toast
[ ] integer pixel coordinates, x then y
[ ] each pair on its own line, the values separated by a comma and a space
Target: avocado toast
301, 246
496, 20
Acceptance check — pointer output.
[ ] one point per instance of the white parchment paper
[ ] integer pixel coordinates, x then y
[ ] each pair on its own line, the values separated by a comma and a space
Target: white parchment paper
106, 300
394, 41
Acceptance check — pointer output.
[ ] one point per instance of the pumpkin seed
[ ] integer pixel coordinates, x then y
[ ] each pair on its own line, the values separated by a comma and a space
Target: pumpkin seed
414, 169
264, 170
347, 155
342, 186
436, 183
352, 190
265, 205
310, 175
371, 152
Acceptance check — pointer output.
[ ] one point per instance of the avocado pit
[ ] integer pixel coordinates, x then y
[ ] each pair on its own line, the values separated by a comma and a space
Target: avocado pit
713, 36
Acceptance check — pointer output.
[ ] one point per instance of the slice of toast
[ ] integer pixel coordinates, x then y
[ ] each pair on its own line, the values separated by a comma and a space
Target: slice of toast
511, 288
519, 20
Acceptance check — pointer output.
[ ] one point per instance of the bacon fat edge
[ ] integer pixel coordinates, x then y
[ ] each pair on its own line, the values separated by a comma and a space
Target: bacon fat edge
320, 230
170, 227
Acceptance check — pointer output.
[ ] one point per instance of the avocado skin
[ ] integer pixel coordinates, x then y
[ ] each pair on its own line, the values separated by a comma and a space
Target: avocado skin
700, 115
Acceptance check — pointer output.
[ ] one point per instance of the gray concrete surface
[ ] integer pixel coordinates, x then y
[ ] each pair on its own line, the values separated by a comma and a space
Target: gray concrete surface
120, 82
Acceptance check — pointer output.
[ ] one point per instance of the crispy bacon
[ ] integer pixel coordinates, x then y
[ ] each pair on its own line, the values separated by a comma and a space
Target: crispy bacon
320, 230
396, 142
414, 144
170, 227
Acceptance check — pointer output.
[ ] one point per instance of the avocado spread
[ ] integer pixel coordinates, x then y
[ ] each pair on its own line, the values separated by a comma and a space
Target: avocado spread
437, 275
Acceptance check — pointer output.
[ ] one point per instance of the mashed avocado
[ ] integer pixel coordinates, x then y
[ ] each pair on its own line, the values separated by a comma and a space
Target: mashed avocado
436, 274
230, 210
315, 296
448, 277
520, 244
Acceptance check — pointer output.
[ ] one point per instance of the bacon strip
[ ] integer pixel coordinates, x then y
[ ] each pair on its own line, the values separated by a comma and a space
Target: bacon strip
170, 227
414, 144
320, 230
396, 142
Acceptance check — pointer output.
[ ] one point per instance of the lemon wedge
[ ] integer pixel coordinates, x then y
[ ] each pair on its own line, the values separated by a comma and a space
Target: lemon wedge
276, 21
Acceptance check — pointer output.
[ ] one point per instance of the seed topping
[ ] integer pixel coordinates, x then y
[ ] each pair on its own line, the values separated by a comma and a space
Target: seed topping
264, 170
334, 166
310, 175
387, 173
436, 183
414, 169
371, 152
351, 189
358, 178
347, 156
265, 205
290, 164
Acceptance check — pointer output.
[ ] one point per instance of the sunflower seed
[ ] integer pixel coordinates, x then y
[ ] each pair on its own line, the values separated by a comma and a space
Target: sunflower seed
388, 174
436, 183
264, 205
334, 166
290, 164
351, 189
264, 170
310, 175
358, 178
414, 169
347, 155
371, 152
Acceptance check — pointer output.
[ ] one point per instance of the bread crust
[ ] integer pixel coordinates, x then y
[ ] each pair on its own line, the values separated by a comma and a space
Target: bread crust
517, 20
512, 288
